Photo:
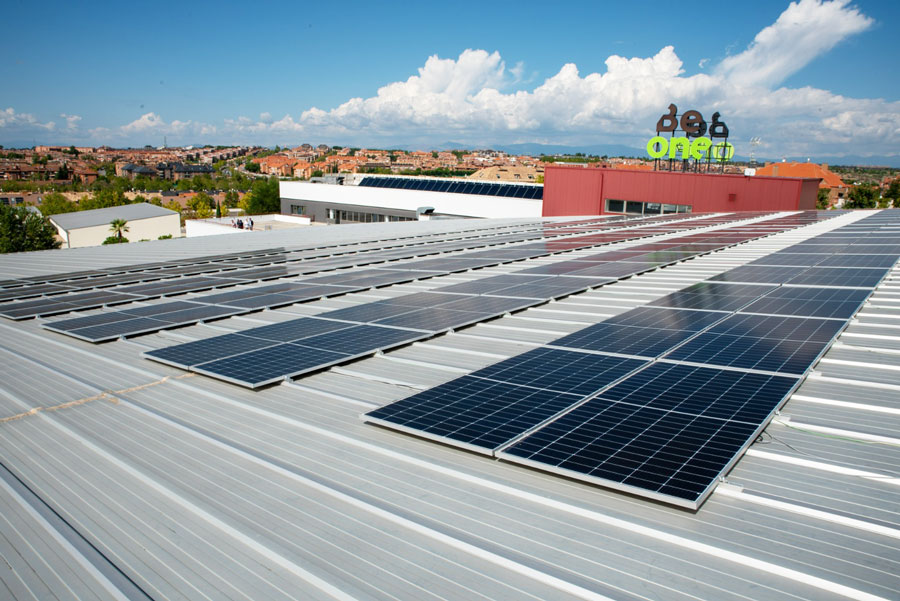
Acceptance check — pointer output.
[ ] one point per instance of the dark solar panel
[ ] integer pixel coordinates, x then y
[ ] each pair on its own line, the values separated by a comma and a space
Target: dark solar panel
487, 304
667, 431
850, 277
475, 413
361, 339
561, 370
436, 319
840, 303
668, 319
196, 314
269, 365
295, 329
368, 312
202, 351
758, 274
126, 327
32, 291
624, 340
872, 261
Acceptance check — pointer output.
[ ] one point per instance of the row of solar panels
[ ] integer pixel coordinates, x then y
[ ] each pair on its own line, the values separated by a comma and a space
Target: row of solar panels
300, 346
112, 325
82, 294
455, 187
29, 287
661, 400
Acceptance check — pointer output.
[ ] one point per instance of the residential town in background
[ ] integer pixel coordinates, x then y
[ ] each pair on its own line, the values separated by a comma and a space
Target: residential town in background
173, 177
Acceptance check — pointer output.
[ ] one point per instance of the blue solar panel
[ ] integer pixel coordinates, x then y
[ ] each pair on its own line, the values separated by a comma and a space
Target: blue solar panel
850, 277
624, 340
561, 370
667, 431
839, 303
210, 349
269, 365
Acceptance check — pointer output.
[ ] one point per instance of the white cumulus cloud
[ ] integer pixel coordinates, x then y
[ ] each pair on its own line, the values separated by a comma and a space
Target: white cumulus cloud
805, 30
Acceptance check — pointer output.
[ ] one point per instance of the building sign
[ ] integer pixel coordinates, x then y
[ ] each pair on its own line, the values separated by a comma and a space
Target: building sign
692, 145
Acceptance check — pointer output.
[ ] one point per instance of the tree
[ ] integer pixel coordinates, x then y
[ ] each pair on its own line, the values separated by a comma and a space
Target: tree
263, 197
62, 172
55, 203
104, 198
862, 197
893, 192
117, 226
231, 199
822, 199
218, 210
22, 230
251, 167
201, 202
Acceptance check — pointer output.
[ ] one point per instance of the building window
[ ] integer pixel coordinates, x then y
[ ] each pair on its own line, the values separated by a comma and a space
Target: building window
633, 207
298, 210
615, 206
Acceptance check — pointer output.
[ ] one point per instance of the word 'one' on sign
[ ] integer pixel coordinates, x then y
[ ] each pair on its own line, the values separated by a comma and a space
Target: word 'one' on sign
694, 126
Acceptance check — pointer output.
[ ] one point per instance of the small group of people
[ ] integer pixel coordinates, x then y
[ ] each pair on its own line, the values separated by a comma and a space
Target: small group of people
239, 224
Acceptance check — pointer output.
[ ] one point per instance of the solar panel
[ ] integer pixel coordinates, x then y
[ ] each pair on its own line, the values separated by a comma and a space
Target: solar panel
295, 329
757, 274
624, 340
560, 370
368, 312
32, 291
269, 365
111, 331
851, 277
202, 351
666, 432
196, 314
668, 319
785, 259
493, 305
838, 303
872, 261
712, 296
361, 339
436, 319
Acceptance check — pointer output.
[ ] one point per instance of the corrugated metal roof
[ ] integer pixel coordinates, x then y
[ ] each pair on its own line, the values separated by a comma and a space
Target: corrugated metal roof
94, 217
126, 478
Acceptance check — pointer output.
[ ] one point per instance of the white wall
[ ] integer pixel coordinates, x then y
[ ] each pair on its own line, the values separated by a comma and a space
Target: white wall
467, 205
150, 228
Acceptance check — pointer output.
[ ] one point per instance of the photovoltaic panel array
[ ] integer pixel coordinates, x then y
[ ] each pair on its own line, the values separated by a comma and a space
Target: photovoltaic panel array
426, 313
337, 283
717, 359
454, 187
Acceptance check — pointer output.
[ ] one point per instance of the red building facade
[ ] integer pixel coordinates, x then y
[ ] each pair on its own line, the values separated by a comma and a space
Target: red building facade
570, 191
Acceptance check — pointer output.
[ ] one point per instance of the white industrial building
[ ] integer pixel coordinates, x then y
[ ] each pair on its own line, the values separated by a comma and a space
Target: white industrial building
354, 200
145, 221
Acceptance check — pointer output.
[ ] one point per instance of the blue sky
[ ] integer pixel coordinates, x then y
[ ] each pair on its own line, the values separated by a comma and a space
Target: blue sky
810, 77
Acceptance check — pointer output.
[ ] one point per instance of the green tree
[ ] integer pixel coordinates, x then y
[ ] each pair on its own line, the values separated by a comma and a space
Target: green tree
117, 226
218, 210
22, 230
893, 192
200, 201
822, 199
104, 198
55, 203
62, 172
263, 197
862, 197
251, 167
231, 199
114, 240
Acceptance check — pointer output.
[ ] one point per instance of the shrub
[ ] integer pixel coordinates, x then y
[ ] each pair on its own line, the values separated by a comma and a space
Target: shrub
115, 240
